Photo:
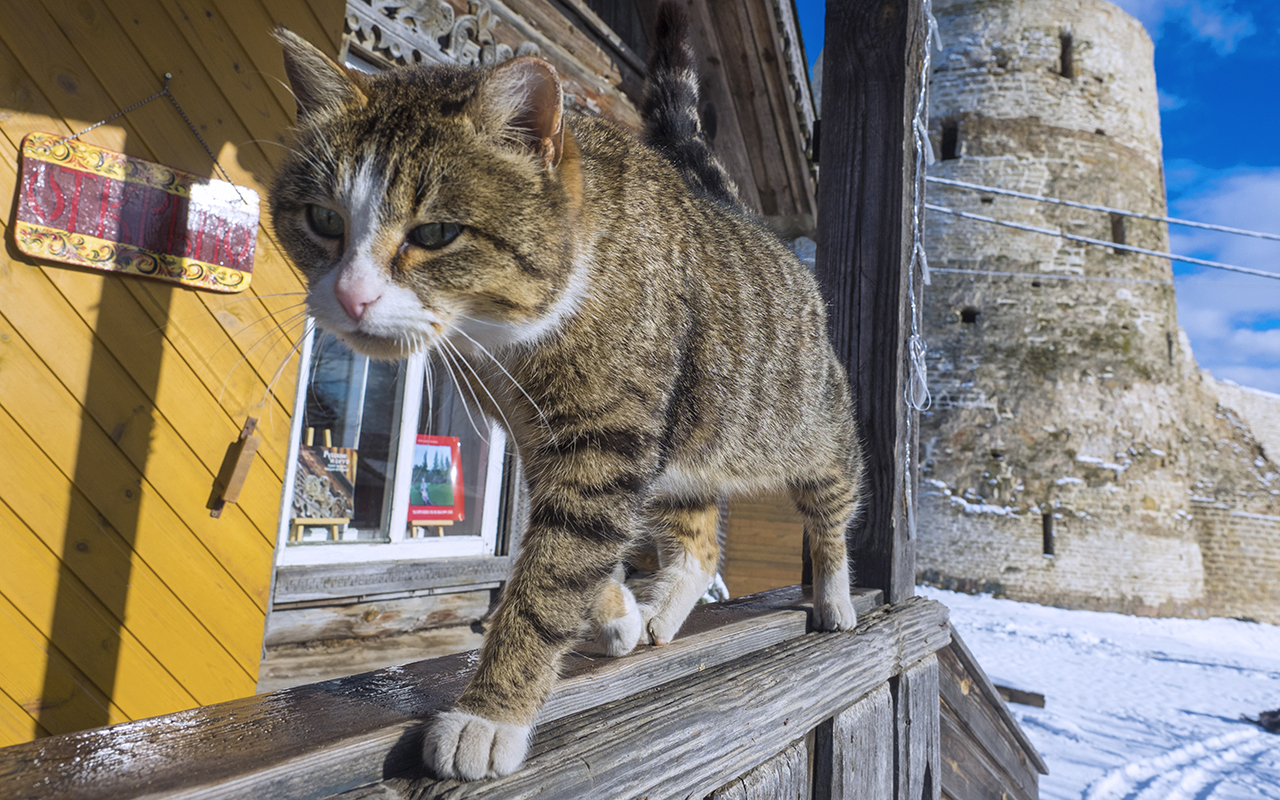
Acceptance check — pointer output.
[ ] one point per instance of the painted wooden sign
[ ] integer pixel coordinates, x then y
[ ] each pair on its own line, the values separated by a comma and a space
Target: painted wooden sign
80, 204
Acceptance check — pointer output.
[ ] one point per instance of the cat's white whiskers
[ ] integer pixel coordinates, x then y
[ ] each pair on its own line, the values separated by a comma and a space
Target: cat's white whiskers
514, 382
463, 359
479, 321
281, 328
429, 387
305, 156
270, 391
449, 367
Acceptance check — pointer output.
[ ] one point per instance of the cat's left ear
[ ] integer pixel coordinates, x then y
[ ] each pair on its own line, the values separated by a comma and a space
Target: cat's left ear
522, 99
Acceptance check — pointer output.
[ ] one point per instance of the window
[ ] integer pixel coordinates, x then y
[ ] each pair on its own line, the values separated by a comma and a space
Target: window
950, 140
1118, 232
387, 461
1067, 61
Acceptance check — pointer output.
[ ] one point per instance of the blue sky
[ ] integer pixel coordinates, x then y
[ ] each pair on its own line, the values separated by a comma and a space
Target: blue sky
1218, 72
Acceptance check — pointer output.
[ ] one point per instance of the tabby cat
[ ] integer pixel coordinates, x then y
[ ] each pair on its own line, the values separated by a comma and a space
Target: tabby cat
648, 346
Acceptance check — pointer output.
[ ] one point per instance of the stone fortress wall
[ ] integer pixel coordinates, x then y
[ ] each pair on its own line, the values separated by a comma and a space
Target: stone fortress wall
1074, 454
1260, 411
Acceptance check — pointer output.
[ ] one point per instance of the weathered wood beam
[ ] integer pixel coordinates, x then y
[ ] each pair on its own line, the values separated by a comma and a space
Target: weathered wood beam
327, 738
349, 582
786, 776
861, 735
871, 69
982, 684
700, 733
918, 753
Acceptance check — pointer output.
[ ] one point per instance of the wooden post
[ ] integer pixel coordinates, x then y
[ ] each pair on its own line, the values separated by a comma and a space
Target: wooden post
871, 71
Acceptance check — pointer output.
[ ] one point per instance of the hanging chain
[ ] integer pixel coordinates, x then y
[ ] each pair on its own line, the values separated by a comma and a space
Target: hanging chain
165, 93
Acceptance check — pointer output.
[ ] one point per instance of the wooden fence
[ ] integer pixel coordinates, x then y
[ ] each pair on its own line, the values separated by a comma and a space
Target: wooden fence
746, 703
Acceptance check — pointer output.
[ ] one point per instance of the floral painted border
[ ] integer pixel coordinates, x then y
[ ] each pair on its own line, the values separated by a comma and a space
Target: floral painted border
75, 248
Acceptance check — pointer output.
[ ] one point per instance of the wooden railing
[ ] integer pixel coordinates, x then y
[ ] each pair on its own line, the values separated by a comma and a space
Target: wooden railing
746, 702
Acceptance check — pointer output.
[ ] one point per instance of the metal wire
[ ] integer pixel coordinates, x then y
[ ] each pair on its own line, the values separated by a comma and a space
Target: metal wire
1049, 277
1102, 242
916, 391
1073, 204
165, 93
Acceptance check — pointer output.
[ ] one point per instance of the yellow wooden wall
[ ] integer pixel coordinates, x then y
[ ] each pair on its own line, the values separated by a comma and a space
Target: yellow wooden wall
763, 547
120, 597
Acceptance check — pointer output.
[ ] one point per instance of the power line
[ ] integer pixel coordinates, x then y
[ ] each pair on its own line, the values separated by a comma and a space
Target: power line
1073, 204
1115, 245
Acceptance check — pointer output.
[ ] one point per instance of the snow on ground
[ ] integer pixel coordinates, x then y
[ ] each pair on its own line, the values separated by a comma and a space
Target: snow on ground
1135, 708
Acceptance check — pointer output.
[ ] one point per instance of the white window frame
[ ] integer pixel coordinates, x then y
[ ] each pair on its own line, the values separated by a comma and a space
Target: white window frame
395, 524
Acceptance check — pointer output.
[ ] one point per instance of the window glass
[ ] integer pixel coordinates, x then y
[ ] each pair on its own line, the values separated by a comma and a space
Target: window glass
445, 423
389, 453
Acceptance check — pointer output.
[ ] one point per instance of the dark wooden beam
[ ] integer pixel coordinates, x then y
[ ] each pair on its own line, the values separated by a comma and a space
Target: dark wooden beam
871, 71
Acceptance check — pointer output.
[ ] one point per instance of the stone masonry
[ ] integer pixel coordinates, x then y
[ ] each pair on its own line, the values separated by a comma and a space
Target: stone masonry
1073, 447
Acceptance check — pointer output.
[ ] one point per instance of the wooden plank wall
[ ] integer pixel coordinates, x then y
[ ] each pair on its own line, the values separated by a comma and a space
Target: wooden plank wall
985, 753
763, 544
120, 597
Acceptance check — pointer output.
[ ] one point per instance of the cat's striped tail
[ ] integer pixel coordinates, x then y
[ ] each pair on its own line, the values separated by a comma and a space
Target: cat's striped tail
672, 124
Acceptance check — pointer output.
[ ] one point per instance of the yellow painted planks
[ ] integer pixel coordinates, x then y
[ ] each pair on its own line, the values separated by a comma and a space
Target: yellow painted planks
182, 448
108, 566
41, 681
330, 15
179, 147
41, 495
174, 477
90, 635
16, 725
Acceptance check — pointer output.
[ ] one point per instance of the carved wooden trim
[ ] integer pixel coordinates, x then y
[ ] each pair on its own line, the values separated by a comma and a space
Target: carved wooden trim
403, 32
797, 69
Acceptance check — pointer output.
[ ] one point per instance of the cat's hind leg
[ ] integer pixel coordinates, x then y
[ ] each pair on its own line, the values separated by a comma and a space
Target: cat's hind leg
689, 554
827, 504
616, 619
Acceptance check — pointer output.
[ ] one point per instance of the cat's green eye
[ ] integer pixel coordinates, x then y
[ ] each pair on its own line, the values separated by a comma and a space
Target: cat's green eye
325, 222
434, 235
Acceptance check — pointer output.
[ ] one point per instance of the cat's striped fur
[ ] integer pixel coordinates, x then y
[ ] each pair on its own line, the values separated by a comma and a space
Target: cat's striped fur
649, 347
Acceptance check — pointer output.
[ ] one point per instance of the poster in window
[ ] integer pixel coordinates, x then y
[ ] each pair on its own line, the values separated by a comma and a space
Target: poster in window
324, 488
435, 490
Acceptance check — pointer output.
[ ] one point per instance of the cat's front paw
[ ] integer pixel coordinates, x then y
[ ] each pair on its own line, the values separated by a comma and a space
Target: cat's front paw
659, 625
463, 745
620, 635
834, 613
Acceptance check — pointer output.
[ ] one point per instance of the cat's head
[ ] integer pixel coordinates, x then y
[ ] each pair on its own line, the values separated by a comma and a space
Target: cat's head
429, 202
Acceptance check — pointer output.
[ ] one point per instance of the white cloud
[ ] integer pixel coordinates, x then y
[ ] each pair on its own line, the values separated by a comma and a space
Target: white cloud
1216, 21
1221, 26
1170, 102
1230, 318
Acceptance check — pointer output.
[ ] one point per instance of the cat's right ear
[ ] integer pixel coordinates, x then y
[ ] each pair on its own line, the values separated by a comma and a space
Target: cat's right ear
317, 82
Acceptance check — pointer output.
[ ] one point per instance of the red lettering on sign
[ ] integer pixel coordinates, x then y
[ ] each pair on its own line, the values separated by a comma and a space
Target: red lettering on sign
43, 185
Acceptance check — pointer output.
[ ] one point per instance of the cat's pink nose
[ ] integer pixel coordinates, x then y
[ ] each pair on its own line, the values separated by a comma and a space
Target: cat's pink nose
355, 295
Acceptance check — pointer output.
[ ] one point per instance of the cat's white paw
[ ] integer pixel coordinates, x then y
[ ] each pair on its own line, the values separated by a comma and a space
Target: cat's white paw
834, 613
659, 625
620, 635
467, 746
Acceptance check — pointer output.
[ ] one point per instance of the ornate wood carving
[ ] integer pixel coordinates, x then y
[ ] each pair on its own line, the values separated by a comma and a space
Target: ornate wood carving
797, 69
400, 32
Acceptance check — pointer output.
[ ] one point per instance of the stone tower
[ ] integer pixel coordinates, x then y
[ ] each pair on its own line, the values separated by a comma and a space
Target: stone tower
1071, 437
